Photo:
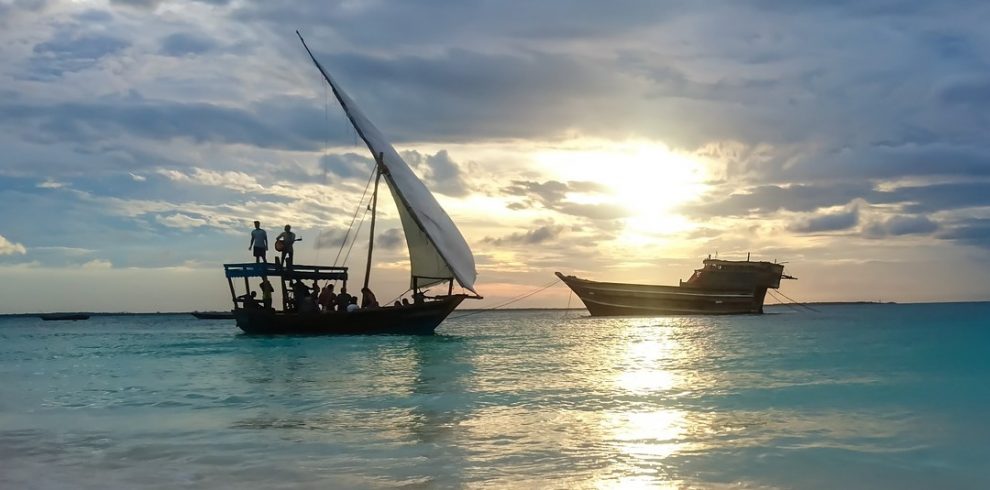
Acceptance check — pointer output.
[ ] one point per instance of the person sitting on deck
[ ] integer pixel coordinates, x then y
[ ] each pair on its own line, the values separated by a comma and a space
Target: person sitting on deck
368, 299
249, 300
353, 306
405, 301
343, 299
316, 291
418, 297
266, 293
326, 298
301, 296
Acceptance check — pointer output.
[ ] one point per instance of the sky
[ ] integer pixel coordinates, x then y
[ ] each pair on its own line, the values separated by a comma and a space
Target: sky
621, 141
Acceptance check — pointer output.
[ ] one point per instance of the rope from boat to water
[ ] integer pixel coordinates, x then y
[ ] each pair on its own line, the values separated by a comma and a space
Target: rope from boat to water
507, 303
792, 301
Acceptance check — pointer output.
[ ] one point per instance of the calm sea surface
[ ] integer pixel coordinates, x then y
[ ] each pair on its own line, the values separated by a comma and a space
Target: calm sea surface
855, 396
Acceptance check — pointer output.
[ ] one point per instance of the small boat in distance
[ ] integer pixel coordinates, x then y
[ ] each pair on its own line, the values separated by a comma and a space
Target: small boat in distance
213, 315
720, 287
48, 317
438, 255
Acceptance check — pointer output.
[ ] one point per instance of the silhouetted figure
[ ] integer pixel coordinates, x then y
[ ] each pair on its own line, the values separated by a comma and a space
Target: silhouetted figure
343, 299
368, 299
259, 243
288, 239
250, 303
266, 293
418, 297
327, 298
405, 302
300, 295
397, 303
353, 306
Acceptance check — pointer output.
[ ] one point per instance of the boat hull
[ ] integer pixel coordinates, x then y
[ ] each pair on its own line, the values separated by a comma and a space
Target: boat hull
413, 319
619, 299
48, 317
213, 315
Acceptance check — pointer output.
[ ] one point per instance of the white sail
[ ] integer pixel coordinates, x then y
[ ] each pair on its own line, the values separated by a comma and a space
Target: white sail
437, 250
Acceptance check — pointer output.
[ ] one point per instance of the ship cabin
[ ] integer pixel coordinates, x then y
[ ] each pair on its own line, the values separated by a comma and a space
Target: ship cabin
284, 276
717, 274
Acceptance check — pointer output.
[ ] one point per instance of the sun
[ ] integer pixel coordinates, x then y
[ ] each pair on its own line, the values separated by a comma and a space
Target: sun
646, 179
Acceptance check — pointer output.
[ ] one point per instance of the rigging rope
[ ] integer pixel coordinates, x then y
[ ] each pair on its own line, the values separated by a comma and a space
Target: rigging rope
350, 226
363, 216
792, 302
507, 303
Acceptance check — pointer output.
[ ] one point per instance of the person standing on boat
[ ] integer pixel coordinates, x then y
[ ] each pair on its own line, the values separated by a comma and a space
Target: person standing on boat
259, 242
288, 239
266, 293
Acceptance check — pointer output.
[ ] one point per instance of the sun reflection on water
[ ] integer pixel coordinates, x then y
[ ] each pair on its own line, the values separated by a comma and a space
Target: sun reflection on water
649, 428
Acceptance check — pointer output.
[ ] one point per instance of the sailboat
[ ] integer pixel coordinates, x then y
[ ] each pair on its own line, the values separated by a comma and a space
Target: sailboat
438, 255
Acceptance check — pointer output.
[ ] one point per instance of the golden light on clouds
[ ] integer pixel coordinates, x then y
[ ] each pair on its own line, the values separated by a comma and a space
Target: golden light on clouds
646, 179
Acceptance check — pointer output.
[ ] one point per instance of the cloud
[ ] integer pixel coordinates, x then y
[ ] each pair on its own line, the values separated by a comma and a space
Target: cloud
50, 184
900, 225
8, 247
183, 44
975, 232
98, 264
391, 239
331, 239
267, 124
68, 51
181, 221
554, 195
833, 221
346, 165
535, 236
440, 173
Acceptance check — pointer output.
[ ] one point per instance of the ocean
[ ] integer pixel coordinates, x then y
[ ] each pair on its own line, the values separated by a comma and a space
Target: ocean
851, 396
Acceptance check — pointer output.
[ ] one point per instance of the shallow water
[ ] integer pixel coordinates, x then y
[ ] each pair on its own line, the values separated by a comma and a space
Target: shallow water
854, 396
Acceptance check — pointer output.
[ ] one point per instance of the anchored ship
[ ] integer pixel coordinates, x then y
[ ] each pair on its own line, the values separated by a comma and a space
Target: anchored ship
719, 287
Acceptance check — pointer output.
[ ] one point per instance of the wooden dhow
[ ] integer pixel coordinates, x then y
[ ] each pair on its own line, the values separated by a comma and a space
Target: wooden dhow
438, 255
719, 287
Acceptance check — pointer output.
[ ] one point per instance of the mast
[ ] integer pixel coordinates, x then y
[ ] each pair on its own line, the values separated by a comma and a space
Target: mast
374, 208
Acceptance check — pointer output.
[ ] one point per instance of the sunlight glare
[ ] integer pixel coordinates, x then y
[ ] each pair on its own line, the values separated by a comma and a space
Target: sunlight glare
647, 179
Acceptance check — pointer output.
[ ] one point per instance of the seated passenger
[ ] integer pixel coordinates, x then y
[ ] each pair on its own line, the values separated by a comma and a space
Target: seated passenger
250, 301
327, 297
353, 306
368, 299
300, 293
343, 299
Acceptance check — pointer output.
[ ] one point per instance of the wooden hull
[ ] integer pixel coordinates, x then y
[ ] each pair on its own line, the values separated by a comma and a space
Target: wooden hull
413, 319
619, 299
64, 316
213, 315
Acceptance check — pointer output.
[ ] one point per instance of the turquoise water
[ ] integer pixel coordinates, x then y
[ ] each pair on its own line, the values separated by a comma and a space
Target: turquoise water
855, 396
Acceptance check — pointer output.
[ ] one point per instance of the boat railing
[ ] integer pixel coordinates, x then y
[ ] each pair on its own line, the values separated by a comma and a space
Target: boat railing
262, 269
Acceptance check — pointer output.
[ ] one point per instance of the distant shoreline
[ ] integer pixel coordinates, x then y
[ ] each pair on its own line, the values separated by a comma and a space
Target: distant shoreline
166, 313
